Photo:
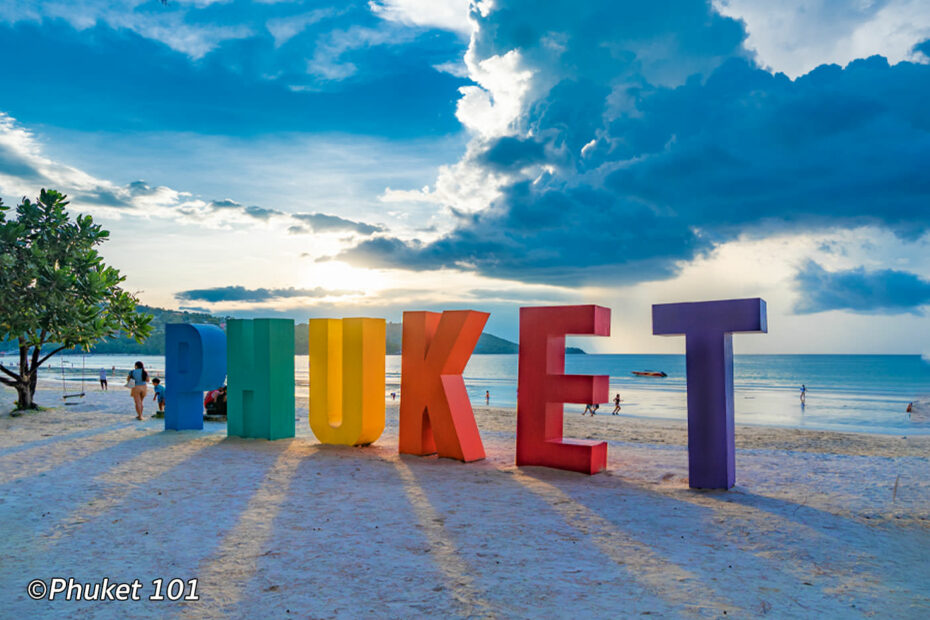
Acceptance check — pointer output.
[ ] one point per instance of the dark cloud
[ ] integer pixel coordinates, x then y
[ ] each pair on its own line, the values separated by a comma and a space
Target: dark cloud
140, 188
885, 291
307, 222
689, 144
321, 222
103, 197
240, 293
510, 153
14, 164
225, 204
259, 213
569, 237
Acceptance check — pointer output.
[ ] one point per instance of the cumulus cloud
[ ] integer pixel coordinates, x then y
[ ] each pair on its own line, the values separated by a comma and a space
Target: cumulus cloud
445, 14
643, 134
887, 291
795, 36
242, 294
24, 169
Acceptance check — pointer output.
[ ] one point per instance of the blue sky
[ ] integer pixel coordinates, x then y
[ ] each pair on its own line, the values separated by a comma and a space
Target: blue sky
287, 158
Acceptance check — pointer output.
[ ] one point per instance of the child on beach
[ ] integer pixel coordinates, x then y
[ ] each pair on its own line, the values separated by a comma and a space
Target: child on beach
159, 390
487, 397
803, 395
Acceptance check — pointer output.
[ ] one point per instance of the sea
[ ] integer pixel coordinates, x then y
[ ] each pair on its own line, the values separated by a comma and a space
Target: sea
862, 393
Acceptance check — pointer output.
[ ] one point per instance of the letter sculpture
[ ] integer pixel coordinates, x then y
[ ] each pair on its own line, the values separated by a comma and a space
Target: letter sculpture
347, 380
195, 360
435, 413
708, 327
543, 387
260, 392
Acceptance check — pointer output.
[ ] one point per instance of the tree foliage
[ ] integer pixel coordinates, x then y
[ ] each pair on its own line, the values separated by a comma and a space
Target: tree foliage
55, 291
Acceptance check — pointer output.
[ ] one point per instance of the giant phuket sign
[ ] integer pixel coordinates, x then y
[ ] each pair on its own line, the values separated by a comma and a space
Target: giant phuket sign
347, 404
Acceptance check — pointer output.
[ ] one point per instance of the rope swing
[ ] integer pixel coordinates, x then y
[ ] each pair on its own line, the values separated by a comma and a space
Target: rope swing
64, 393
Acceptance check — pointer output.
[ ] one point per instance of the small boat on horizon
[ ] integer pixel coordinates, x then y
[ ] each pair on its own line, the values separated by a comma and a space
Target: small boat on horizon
649, 373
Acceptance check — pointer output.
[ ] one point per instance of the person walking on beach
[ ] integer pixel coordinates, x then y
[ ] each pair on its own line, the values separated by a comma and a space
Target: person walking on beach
103, 379
138, 379
487, 397
803, 395
617, 401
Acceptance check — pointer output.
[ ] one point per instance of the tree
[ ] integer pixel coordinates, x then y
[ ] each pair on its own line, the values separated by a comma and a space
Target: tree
55, 291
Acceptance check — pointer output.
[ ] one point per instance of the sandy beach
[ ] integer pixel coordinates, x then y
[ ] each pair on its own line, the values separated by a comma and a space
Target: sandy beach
819, 523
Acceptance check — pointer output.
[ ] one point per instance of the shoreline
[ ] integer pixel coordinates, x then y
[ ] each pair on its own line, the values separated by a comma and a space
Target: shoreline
875, 405
662, 431
624, 429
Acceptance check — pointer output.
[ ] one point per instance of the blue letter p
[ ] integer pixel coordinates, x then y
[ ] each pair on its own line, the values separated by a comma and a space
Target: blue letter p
195, 360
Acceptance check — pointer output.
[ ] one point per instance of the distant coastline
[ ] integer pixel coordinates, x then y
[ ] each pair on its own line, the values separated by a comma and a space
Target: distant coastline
488, 344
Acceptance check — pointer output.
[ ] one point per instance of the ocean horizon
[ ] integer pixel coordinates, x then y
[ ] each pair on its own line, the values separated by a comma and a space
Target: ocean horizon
845, 392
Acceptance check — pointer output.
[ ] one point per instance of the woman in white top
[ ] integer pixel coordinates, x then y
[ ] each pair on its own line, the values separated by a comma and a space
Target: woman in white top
138, 379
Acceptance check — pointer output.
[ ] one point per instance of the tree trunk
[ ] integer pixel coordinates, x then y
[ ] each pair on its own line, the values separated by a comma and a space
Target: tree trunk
24, 394
26, 386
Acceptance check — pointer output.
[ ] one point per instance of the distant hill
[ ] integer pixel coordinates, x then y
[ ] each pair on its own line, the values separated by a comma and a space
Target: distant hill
155, 345
487, 343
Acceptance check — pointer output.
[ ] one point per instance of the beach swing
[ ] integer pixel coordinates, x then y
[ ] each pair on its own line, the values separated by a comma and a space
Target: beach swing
64, 390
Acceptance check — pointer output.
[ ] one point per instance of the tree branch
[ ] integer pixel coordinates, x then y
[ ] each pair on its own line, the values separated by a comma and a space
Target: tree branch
6, 381
42, 361
9, 372
36, 349
23, 357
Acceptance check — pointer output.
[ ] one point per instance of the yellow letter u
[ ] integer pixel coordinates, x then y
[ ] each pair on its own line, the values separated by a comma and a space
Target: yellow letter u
347, 380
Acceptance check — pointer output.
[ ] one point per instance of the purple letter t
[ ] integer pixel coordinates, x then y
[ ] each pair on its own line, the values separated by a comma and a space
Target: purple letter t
708, 327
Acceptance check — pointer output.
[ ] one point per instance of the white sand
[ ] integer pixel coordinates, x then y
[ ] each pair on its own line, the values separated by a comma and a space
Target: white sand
293, 528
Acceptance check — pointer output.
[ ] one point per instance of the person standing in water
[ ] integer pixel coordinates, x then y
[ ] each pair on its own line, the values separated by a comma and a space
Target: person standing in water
138, 379
487, 397
803, 395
